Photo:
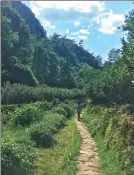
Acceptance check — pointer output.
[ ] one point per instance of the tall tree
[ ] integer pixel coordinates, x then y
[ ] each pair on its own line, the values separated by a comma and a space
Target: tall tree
114, 54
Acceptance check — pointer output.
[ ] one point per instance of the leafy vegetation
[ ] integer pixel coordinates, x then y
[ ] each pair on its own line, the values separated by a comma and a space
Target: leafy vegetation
27, 115
114, 84
41, 79
28, 128
42, 132
17, 94
61, 157
114, 136
18, 153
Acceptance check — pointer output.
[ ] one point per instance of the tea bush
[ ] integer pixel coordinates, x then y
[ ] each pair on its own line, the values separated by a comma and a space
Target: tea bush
17, 155
59, 110
43, 132
19, 93
18, 152
68, 109
26, 115
8, 111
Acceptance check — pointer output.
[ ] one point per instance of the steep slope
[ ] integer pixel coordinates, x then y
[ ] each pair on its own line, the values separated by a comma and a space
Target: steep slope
25, 12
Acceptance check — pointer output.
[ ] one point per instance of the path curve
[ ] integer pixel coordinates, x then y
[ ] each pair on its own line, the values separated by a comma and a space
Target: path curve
88, 160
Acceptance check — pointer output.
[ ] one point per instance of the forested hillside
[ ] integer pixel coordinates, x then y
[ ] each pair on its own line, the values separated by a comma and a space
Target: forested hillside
54, 61
60, 62
43, 77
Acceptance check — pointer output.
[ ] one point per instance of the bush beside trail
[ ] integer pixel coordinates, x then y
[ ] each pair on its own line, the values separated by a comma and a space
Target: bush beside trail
9, 111
64, 109
114, 135
28, 127
43, 132
18, 153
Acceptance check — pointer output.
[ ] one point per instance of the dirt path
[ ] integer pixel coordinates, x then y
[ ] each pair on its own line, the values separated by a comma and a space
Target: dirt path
87, 161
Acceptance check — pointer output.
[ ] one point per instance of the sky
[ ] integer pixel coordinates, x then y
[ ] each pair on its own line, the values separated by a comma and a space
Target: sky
94, 22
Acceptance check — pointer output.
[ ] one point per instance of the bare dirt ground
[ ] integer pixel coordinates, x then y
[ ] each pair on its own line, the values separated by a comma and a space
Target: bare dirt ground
88, 160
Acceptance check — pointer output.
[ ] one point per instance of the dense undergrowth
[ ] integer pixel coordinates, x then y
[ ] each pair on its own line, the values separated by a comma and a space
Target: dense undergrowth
27, 128
114, 135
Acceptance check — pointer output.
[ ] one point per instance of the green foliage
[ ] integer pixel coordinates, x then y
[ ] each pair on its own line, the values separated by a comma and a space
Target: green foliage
113, 54
111, 124
17, 93
64, 109
26, 115
17, 38
46, 63
43, 132
112, 85
59, 110
43, 106
20, 70
17, 154
74, 53
85, 75
68, 109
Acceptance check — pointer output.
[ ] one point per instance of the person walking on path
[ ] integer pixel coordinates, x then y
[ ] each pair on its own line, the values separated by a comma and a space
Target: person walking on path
78, 111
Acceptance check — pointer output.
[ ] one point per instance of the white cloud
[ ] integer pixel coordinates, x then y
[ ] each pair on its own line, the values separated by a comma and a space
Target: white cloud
47, 24
67, 31
75, 33
108, 22
36, 10
76, 23
82, 6
83, 37
84, 31
66, 10
97, 19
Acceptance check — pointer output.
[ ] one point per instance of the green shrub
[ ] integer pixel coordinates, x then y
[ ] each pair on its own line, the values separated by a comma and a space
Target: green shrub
19, 93
6, 108
26, 115
43, 132
8, 111
44, 106
59, 110
68, 109
17, 155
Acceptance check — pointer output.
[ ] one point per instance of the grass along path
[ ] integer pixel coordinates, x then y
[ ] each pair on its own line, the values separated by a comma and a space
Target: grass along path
88, 160
60, 159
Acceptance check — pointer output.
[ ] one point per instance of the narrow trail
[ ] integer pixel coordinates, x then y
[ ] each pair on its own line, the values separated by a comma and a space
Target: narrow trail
88, 160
